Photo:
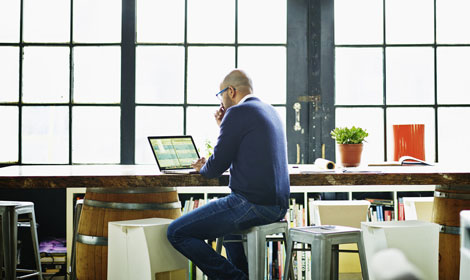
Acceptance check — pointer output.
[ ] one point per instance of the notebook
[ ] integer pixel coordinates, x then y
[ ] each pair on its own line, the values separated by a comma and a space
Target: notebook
174, 154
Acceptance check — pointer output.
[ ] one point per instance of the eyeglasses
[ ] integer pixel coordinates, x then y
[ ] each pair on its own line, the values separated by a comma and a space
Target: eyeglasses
219, 94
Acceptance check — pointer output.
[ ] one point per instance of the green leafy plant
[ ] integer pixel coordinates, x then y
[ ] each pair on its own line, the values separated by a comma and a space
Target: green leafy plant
209, 147
345, 135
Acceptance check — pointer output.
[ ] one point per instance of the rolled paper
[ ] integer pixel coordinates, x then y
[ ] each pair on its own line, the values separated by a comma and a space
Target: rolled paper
324, 163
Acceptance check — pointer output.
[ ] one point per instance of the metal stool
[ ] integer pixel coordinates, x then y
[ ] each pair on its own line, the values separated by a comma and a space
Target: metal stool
324, 242
73, 262
9, 211
255, 248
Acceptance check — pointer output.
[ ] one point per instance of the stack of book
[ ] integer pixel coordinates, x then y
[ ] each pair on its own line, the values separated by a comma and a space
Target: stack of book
53, 255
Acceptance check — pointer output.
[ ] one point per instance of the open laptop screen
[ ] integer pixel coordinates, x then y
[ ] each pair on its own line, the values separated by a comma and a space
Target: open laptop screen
173, 152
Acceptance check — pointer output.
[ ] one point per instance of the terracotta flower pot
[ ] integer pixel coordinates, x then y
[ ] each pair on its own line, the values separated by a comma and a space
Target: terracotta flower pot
350, 154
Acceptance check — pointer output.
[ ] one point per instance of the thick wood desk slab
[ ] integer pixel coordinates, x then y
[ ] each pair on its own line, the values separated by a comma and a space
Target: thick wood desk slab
124, 176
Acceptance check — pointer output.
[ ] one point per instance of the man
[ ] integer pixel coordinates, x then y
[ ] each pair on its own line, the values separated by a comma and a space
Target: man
252, 144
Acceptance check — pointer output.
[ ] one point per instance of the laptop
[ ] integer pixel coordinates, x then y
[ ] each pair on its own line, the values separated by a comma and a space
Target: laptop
174, 154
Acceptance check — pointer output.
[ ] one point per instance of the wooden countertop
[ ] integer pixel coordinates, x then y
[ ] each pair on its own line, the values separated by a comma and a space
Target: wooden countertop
123, 176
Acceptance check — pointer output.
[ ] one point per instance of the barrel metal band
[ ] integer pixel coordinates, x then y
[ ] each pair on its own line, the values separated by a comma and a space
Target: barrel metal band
452, 195
92, 240
132, 190
132, 206
449, 229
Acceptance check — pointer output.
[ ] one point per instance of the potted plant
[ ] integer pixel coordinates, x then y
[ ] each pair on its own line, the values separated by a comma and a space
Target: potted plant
350, 144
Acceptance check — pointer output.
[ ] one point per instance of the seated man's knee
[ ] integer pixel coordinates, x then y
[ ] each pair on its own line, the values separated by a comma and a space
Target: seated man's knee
171, 233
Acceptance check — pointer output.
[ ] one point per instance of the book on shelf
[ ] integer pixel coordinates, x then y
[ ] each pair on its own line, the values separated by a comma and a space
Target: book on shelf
404, 160
388, 215
401, 209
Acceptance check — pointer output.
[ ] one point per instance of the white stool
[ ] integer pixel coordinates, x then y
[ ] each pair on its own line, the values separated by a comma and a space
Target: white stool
465, 244
324, 242
255, 238
9, 211
138, 249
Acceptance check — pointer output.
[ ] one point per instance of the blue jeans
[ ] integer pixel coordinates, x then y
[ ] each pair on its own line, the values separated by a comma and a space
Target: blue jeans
220, 218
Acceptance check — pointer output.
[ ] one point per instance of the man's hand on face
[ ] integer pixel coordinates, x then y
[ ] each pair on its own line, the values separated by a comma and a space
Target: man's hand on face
198, 164
219, 114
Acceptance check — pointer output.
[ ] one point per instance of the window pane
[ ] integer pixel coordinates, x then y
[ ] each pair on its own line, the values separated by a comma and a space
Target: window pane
211, 21
370, 119
9, 74
452, 21
159, 74
358, 22
207, 67
453, 66
262, 21
201, 125
96, 136
410, 75
97, 74
359, 78
409, 21
45, 134
46, 21
453, 149
160, 21
46, 74
267, 68
412, 116
281, 110
10, 21
9, 129
154, 121
97, 21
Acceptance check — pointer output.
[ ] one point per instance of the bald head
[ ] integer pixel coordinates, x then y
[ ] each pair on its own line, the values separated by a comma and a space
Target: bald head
239, 80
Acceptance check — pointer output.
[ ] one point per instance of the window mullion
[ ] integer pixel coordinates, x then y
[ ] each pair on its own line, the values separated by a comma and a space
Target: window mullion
128, 82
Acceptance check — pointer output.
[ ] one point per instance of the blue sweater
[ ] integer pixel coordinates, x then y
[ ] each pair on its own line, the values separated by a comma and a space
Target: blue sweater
252, 143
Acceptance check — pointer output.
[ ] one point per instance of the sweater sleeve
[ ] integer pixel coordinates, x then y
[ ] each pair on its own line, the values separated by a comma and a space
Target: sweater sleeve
227, 146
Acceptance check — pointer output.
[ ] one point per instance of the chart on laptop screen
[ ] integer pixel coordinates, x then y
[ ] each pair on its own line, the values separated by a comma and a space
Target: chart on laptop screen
174, 152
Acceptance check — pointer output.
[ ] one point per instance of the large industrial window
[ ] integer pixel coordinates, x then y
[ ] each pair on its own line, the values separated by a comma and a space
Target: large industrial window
179, 67
400, 62
64, 73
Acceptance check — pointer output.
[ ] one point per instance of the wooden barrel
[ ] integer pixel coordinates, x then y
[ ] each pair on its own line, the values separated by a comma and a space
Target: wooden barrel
448, 202
103, 205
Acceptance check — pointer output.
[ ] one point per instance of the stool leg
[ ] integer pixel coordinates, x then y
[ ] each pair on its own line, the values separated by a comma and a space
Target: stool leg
73, 260
218, 246
288, 269
321, 259
362, 258
1, 245
9, 230
335, 262
256, 255
34, 238
291, 268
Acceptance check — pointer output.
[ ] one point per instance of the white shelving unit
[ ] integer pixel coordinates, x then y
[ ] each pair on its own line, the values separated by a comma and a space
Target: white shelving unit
394, 189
